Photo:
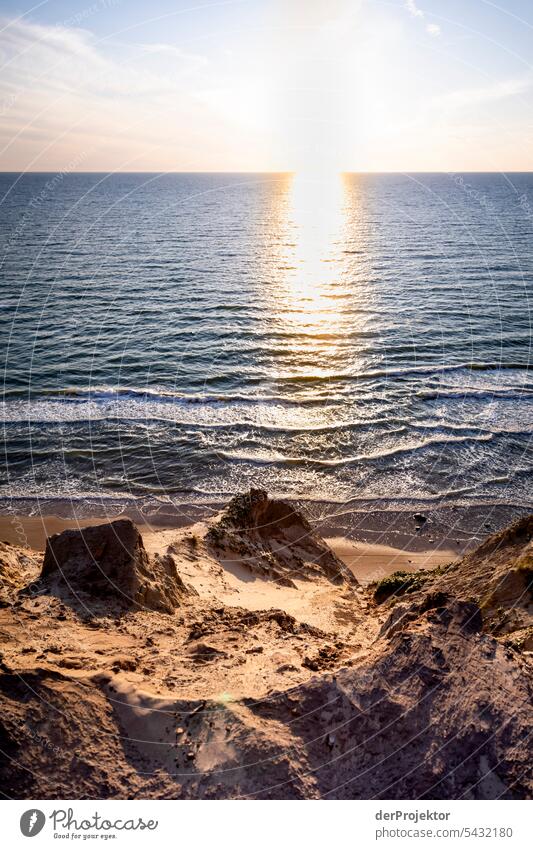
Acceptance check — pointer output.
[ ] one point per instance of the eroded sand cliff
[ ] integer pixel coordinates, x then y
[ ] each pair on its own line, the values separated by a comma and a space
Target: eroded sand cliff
241, 658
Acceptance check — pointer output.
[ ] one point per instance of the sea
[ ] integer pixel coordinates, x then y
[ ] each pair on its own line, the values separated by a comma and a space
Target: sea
359, 340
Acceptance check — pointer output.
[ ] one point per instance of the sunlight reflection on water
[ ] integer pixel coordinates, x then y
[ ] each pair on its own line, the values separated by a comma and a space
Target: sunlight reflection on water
306, 334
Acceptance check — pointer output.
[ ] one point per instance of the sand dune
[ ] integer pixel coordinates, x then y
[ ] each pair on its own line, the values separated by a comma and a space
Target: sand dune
245, 657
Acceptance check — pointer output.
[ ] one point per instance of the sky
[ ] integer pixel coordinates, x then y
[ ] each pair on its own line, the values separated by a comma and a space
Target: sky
266, 85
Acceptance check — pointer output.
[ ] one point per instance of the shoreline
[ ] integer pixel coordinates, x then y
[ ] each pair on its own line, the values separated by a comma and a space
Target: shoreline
373, 541
377, 551
415, 525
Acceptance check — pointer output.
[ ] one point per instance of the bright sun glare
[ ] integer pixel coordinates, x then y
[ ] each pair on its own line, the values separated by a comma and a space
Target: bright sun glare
312, 219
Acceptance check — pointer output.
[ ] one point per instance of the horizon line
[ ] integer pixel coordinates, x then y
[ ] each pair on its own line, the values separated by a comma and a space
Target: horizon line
284, 172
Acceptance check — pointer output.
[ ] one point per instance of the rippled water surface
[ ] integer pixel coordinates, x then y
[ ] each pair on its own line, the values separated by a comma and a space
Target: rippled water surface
185, 336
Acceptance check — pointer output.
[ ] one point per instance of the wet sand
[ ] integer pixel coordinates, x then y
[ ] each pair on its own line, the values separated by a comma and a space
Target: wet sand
372, 562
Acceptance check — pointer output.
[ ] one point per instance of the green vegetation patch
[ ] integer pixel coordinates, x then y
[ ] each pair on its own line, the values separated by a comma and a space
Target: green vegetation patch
399, 583
402, 583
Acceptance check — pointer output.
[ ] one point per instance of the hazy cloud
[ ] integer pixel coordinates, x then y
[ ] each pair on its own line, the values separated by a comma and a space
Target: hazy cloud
279, 96
486, 94
412, 8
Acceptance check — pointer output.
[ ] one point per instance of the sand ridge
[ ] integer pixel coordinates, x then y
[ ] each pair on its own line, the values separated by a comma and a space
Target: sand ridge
255, 686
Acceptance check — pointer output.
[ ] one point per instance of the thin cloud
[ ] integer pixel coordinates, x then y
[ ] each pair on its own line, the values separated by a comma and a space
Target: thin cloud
486, 94
412, 8
63, 90
172, 50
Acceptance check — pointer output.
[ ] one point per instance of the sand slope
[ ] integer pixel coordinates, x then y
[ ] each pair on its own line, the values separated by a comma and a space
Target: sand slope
276, 675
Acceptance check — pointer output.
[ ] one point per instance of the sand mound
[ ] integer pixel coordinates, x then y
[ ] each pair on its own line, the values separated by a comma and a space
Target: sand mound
109, 561
435, 712
17, 567
53, 726
273, 539
497, 576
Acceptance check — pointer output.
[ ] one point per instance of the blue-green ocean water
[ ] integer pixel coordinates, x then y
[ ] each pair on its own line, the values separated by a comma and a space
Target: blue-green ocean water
181, 337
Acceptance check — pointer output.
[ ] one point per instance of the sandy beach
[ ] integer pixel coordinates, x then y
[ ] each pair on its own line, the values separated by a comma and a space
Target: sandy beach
368, 561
